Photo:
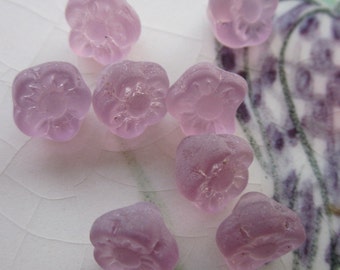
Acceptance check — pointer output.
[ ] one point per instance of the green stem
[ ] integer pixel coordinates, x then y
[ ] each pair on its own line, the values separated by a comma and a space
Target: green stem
254, 145
143, 182
293, 115
273, 166
296, 260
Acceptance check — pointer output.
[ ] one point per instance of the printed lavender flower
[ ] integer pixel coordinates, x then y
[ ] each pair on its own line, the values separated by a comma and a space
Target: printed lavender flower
212, 169
241, 23
130, 96
205, 99
258, 231
50, 101
104, 30
133, 238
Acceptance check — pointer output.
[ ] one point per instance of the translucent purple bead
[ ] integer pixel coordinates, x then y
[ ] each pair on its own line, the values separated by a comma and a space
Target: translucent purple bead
50, 101
104, 30
212, 169
241, 23
130, 96
258, 231
133, 238
205, 99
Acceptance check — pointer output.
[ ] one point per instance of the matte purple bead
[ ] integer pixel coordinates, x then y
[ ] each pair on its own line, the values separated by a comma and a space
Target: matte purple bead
133, 238
205, 99
104, 30
258, 231
212, 169
241, 23
50, 101
130, 96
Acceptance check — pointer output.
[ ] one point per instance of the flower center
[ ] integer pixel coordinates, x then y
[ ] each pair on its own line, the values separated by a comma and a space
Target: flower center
251, 10
138, 104
127, 258
54, 105
209, 107
221, 177
264, 250
96, 31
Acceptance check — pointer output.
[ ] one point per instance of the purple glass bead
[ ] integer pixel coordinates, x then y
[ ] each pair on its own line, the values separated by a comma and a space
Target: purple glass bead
130, 96
241, 23
104, 30
258, 231
205, 99
133, 238
50, 101
212, 169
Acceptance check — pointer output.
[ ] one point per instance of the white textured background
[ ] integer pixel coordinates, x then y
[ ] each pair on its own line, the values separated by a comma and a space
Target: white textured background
50, 193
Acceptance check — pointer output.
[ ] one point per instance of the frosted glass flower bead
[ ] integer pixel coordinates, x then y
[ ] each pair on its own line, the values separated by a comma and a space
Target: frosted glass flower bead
104, 30
130, 96
133, 238
212, 169
241, 23
50, 101
258, 231
205, 99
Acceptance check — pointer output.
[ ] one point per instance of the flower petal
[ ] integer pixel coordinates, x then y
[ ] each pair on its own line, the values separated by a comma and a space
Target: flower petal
107, 107
26, 92
220, 9
31, 121
107, 54
80, 44
78, 101
75, 13
192, 124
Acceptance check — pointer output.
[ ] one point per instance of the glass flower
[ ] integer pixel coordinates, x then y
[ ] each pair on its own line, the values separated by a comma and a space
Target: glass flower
130, 96
104, 30
241, 23
133, 238
212, 169
205, 99
50, 101
258, 231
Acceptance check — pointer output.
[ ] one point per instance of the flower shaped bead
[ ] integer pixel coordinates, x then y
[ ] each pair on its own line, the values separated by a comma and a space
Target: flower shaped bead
212, 169
50, 101
241, 23
130, 96
102, 29
205, 99
258, 231
133, 238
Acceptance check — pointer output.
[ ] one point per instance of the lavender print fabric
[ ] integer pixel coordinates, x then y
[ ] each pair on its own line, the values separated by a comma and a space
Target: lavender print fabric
291, 117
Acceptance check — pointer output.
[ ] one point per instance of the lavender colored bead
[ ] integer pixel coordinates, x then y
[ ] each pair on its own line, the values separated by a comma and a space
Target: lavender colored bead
258, 231
104, 30
130, 96
50, 101
133, 238
212, 169
205, 99
241, 23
